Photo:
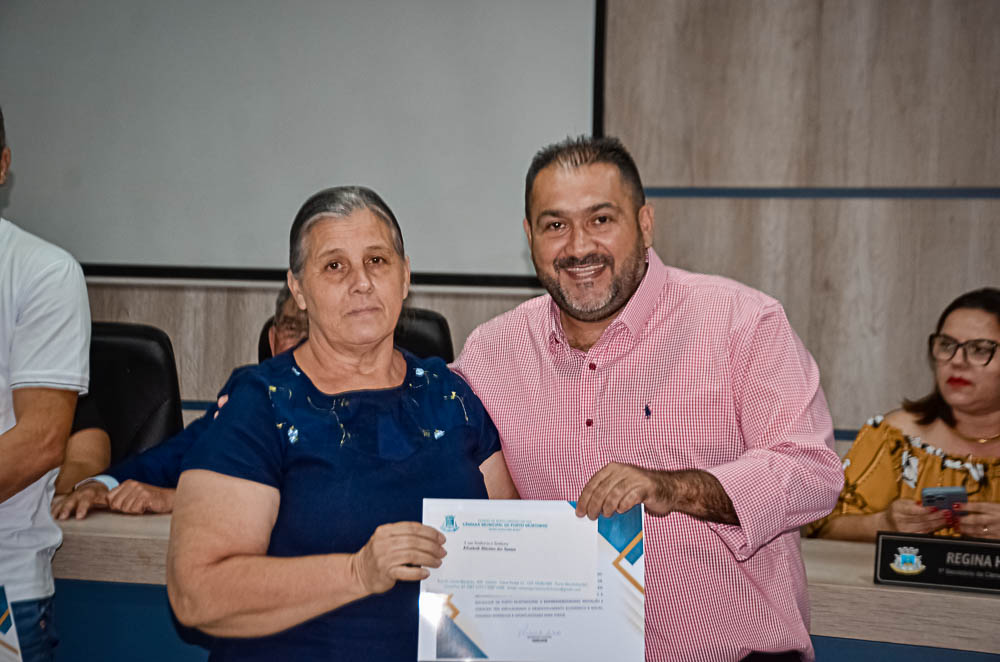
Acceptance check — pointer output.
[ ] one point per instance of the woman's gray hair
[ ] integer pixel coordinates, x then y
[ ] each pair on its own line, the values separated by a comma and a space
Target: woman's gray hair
339, 202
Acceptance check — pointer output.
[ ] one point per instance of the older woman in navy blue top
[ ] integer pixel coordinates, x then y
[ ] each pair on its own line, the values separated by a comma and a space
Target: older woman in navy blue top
296, 529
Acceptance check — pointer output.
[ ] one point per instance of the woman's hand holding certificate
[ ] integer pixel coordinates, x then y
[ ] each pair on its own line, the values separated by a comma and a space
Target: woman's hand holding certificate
397, 552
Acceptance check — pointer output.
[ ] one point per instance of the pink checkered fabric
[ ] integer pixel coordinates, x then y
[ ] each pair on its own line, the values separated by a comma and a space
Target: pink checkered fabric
695, 372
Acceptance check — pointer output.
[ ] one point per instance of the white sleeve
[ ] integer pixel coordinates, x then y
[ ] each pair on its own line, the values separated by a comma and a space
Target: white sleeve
107, 481
50, 347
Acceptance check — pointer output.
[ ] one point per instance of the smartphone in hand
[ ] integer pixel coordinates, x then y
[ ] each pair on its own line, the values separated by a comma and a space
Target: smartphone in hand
942, 498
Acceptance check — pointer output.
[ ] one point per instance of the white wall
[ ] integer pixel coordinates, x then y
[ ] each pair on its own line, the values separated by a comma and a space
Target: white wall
189, 132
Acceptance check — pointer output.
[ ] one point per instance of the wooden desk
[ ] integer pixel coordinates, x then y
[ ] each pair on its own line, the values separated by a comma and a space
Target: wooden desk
109, 547
845, 603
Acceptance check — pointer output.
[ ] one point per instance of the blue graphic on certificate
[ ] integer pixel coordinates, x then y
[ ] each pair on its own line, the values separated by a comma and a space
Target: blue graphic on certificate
529, 580
10, 649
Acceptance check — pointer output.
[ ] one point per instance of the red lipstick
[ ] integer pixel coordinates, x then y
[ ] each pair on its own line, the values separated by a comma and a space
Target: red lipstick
958, 381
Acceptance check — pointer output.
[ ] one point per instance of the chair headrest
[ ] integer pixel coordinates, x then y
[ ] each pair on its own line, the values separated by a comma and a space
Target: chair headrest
133, 378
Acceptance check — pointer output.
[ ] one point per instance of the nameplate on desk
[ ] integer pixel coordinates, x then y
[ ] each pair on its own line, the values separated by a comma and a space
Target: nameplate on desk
967, 564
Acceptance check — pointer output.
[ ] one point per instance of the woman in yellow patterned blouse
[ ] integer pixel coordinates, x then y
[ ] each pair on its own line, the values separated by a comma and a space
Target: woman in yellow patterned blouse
948, 438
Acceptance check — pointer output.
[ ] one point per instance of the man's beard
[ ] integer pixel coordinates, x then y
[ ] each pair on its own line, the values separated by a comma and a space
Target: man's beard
623, 284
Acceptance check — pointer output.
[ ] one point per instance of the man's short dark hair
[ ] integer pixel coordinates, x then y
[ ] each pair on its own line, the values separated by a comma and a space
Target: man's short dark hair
581, 151
3, 133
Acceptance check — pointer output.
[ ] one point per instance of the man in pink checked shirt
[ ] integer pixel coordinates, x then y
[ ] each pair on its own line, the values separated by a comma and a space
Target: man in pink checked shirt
636, 382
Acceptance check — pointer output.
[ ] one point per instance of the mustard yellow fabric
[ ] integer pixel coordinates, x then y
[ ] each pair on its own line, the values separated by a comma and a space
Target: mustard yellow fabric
884, 465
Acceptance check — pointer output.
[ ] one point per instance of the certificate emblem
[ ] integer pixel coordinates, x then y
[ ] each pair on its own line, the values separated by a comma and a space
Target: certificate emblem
449, 524
907, 561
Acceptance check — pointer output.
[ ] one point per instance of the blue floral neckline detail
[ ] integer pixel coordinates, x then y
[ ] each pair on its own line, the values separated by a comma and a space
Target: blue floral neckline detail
388, 422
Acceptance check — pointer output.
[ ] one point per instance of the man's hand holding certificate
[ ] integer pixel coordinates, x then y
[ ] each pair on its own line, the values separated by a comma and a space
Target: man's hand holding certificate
529, 580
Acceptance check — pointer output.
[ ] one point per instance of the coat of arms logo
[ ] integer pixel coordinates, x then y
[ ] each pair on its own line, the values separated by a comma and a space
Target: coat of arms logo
907, 561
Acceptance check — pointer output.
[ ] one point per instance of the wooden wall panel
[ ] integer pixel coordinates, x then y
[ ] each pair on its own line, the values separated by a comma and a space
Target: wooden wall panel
685, 78
767, 244
214, 328
806, 93
909, 93
885, 272
862, 281
467, 308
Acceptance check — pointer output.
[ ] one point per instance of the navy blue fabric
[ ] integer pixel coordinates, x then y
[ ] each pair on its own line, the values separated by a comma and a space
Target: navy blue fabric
36, 632
344, 465
161, 464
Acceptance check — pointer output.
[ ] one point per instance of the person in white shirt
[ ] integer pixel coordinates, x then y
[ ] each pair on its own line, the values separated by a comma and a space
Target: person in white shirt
44, 365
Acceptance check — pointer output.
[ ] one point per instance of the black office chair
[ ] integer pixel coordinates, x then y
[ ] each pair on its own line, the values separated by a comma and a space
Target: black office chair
419, 330
133, 377
424, 333
264, 342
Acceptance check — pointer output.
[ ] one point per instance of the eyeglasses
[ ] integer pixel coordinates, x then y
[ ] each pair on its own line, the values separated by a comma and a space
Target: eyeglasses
979, 351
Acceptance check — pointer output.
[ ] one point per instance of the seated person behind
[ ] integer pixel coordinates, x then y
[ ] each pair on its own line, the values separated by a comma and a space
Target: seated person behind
296, 532
948, 438
145, 482
88, 449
